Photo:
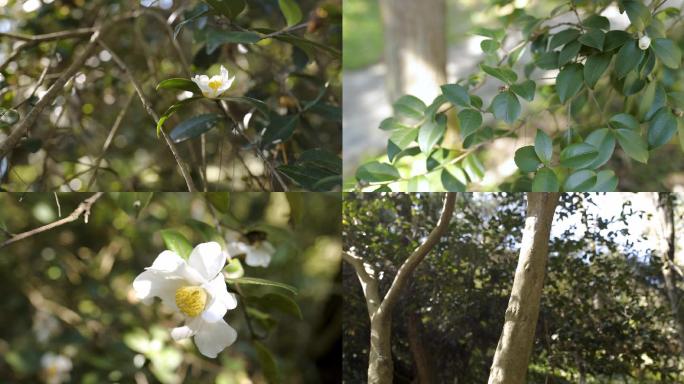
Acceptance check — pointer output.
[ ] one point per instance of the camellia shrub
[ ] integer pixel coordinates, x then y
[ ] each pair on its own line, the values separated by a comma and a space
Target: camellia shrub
158, 95
594, 98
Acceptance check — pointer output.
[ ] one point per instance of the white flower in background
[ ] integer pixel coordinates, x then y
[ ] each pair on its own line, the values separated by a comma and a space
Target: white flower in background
644, 42
56, 368
197, 290
44, 326
213, 87
257, 252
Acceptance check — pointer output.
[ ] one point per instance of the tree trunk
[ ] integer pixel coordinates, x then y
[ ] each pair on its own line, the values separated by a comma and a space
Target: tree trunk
665, 232
415, 47
380, 366
420, 357
517, 338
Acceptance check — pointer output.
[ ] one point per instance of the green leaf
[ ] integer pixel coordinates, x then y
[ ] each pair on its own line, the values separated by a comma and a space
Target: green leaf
403, 137
633, 144
279, 129
569, 81
545, 181
410, 107
606, 181
526, 159
470, 120
377, 172
593, 38
506, 107
580, 181
667, 52
594, 68
625, 120
473, 167
256, 281
596, 21
646, 100
563, 37
663, 127
216, 38
176, 242
578, 155
430, 133
548, 60
269, 368
197, 12
489, 46
456, 94
638, 14
179, 83
451, 183
229, 8
219, 200
194, 127
615, 39
391, 123
504, 74
543, 146
291, 11
603, 140
569, 52
279, 302
525, 89
627, 58
172, 109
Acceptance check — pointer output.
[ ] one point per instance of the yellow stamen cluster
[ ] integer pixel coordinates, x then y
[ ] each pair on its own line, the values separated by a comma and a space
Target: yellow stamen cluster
191, 300
215, 84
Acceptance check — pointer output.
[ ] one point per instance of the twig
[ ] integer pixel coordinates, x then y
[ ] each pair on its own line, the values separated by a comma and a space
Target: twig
82, 209
50, 36
150, 111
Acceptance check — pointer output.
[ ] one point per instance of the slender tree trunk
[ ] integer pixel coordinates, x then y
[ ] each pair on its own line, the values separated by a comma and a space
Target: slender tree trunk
420, 357
666, 243
415, 47
380, 365
515, 344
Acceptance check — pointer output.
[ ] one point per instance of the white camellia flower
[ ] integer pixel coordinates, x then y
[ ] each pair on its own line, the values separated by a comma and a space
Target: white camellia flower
197, 290
213, 87
257, 254
56, 368
644, 42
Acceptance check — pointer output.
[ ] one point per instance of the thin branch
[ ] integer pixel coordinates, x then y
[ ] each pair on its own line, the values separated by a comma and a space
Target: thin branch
82, 209
366, 276
50, 36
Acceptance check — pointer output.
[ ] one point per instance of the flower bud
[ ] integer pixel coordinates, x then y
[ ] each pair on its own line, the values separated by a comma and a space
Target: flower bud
644, 42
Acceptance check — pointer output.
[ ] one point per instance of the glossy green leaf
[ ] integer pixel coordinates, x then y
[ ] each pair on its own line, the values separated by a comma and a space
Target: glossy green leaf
563, 37
604, 141
291, 11
627, 58
176, 242
662, 128
526, 159
569, 81
228, 8
525, 89
569, 52
615, 39
638, 13
506, 107
391, 123
667, 52
456, 94
504, 74
403, 137
278, 302
548, 60
625, 120
593, 38
430, 133
451, 183
267, 362
646, 100
216, 38
470, 120
578, 155
545, 181
264, 282
179, 83
633, 144
409, 107
279, 129
606, 181
172, 109
580, 181
489, 46
194, 127
543, 146
596, 21
377, 172
594, 67
473, 167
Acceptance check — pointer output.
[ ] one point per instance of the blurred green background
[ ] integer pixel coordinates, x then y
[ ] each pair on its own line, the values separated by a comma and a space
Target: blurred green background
68, 290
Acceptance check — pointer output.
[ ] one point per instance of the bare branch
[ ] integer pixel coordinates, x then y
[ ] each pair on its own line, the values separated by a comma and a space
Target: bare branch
82, 209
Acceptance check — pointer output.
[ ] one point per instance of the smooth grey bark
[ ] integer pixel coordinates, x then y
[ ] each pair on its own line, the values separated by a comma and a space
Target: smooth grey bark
665, 234
380, 367
517, 337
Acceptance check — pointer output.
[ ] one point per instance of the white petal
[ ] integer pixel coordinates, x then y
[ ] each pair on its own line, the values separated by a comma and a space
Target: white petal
212, 338
258, 257
237, 248
188, 330
224, 73
268, 247
161, 284
221, 300
167, 261
208, 259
